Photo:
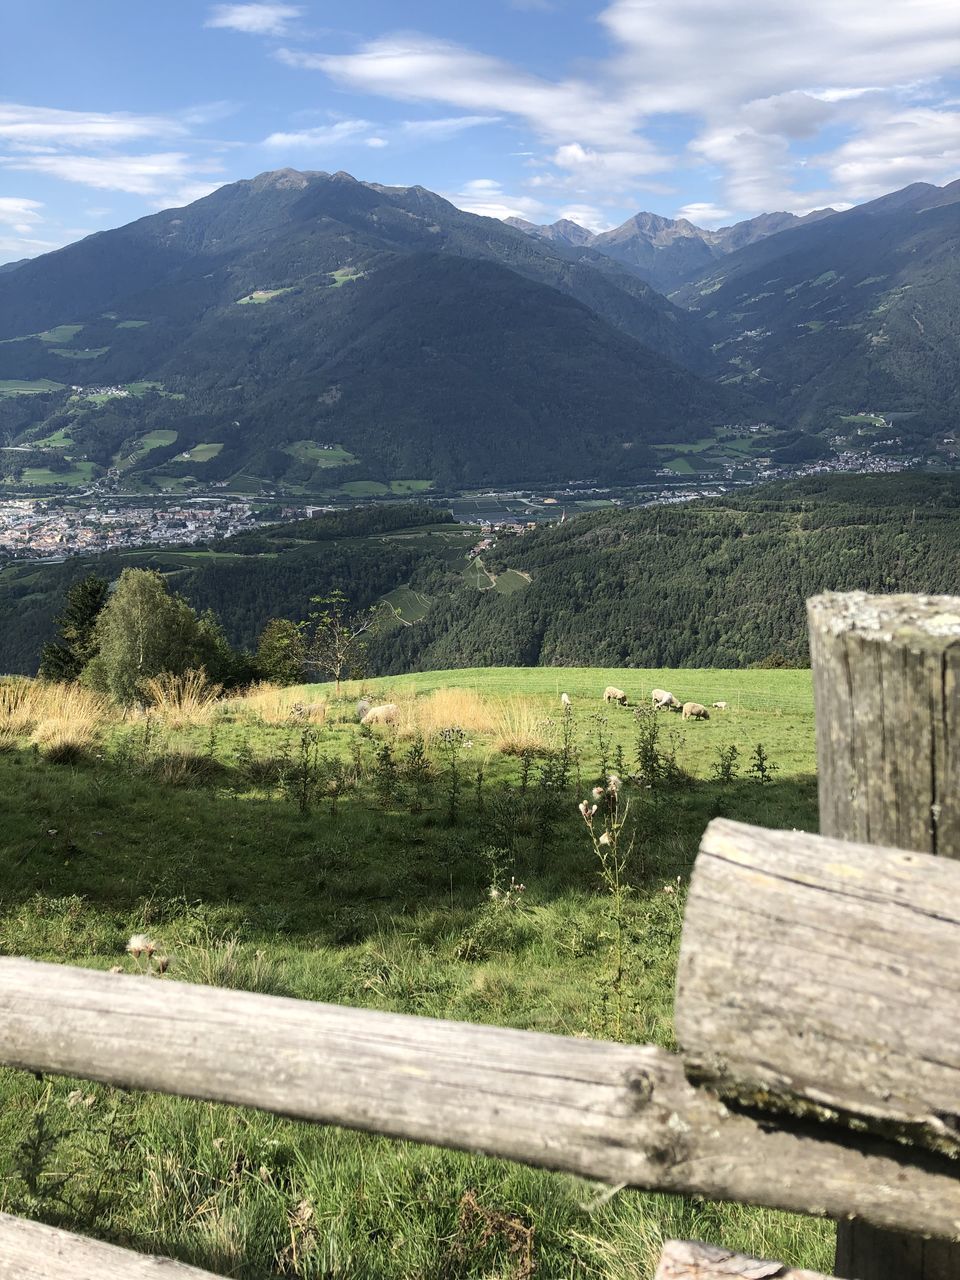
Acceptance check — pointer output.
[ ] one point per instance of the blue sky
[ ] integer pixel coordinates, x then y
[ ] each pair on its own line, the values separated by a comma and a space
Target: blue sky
588, 109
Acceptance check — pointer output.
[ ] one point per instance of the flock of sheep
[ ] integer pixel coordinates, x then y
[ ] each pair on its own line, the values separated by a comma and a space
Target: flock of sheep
662, 700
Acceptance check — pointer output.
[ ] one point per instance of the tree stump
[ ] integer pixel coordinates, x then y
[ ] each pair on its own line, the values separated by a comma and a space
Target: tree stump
887, 700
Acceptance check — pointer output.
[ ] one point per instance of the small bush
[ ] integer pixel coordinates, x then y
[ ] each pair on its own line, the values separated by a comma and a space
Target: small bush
185, 769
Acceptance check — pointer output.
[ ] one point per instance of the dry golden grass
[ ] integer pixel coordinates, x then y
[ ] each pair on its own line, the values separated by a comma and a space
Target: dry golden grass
62, 720
443, 709
514, 724
274, 704
522, 726
182, 701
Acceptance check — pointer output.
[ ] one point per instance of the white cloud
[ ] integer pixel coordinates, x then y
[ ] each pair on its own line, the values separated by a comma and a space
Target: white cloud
147, 175
585, 215
19, 212
40, 128
326, 135
705, 214
377, 142
448, 127
902, 147
485, 196
254, 19
417, 68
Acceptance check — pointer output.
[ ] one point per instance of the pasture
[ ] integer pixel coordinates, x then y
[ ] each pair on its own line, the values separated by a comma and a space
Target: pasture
271, 849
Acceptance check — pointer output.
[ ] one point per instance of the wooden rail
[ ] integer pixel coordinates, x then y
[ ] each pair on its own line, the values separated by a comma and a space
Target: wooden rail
31, 1251
618, 1113
823, 977
689, 1260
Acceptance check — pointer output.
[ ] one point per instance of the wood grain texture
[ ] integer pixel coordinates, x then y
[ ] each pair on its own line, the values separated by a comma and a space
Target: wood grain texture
816, 971
887, 698
617, 1113
690, 1260
32, 1251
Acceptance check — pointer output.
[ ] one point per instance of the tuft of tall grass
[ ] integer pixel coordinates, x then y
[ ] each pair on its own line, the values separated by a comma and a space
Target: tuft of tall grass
61, 720
182, 700
521, 727
277, 704
444, 708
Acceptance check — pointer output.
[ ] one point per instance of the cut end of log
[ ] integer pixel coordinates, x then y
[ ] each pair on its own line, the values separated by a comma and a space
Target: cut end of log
930, 620
690, 1260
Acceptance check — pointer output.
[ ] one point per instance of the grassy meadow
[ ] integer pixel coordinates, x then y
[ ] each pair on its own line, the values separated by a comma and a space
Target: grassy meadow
270, 842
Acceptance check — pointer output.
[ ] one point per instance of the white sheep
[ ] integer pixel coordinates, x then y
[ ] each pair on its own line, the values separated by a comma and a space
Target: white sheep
720, 706
663, 698
363, 706
612, 694
695, 711
565, 700
385, 714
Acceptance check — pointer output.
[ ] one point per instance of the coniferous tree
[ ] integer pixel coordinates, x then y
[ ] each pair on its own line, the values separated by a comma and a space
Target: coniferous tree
281, 652
66, 658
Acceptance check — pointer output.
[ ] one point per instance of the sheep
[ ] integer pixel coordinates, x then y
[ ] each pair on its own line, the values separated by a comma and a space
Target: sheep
363, 706
720, 706
612, 694
385, 714
662, 698
695, 711
565, 700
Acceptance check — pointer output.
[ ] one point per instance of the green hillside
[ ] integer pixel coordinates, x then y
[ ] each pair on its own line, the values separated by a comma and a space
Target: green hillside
314, 859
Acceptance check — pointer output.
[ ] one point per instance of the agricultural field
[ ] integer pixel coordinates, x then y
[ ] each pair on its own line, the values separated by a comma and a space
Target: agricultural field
200, 453
309, 451
144, 445
262, 295
25, 387
313, 858
79, 473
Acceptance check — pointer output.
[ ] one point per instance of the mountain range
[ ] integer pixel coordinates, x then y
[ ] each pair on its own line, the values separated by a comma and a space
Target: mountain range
325, 334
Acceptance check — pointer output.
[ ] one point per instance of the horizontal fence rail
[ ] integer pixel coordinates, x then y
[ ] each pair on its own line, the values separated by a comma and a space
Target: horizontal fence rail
617, 1113
31, 1251
689, 1260
824, 976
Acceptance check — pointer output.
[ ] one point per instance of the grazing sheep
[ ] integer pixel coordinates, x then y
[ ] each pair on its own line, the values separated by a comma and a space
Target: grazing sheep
613, 694
662, 698
565, 700
385, 714
721, 706
695, 711
363, 706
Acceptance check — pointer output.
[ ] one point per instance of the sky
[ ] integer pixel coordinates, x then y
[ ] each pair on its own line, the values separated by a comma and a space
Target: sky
544, 109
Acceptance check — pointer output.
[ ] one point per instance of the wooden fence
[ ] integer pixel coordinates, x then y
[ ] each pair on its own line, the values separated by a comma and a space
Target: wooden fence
818, 1010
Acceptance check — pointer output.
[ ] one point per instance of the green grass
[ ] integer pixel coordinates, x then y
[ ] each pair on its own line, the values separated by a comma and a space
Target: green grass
79, 353
60, 439
381, 907
80, 473
410, 486
262, 295
511, 582
145, 444
363, 488
310, 451
25, 387
61, 333
344, 275
202, 452
408, 606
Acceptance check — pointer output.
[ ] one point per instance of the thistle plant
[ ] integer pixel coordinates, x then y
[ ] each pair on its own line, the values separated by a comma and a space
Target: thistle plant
451, 744
605, 816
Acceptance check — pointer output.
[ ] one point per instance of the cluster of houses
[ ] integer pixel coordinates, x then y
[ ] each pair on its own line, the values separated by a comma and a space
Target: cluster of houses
38, 530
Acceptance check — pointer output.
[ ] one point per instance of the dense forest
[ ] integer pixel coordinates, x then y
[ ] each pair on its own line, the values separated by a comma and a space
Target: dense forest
710, 584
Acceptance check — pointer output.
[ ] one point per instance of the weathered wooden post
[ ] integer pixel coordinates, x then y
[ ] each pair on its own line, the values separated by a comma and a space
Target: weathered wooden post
886, 683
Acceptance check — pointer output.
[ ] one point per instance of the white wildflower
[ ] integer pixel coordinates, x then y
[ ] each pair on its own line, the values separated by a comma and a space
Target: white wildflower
614, 782
140, 944
605, 838
597, 793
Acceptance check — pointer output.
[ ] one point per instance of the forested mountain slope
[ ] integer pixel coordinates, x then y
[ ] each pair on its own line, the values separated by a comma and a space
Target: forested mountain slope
719, 583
